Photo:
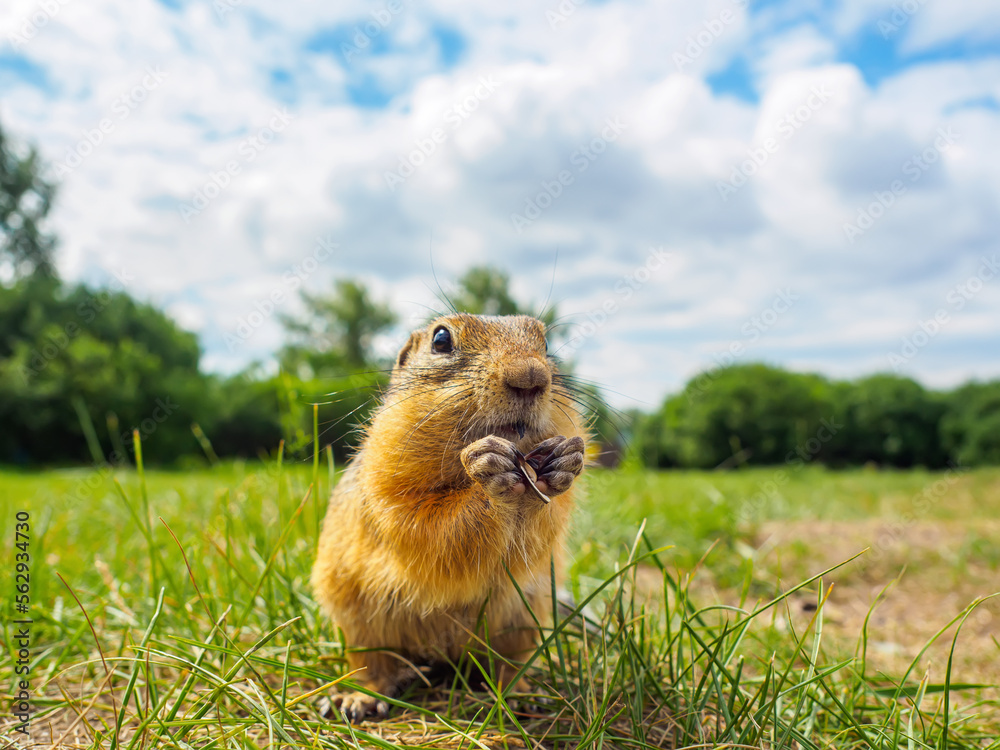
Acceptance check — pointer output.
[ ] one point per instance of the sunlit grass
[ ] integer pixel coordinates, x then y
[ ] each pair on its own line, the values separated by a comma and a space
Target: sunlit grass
207, 636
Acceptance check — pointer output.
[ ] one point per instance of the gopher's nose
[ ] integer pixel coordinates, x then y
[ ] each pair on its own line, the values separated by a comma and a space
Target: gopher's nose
528, 378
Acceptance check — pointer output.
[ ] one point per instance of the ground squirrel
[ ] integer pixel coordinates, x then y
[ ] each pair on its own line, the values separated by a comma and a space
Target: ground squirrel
433, 510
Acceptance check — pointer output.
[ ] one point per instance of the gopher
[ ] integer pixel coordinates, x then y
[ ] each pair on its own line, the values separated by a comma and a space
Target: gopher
438, 505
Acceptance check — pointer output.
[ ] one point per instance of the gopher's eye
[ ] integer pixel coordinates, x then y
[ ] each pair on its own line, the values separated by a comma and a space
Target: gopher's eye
441, 343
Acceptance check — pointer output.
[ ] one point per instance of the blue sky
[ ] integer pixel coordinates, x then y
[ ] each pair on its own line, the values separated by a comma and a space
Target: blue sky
720, 175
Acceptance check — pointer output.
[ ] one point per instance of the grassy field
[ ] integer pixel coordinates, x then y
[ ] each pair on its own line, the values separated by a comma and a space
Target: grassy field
707, 615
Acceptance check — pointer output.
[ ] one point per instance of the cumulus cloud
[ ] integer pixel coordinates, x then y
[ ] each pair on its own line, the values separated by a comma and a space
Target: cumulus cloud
610, 129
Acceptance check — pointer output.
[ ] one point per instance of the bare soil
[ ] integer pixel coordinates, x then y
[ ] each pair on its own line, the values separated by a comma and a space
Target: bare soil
929, 571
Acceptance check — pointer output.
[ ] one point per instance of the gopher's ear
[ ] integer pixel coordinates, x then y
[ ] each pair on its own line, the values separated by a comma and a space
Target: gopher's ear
404, 353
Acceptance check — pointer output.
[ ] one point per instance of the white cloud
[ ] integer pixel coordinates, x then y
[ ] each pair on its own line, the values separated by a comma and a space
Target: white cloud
800, 47
936, 24
654, 185
919, 25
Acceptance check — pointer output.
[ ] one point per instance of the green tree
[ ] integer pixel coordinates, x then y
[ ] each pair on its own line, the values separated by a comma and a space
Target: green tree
970, 428
747, 413
25, 200
335, 335
890, 420
125, 362
484, 290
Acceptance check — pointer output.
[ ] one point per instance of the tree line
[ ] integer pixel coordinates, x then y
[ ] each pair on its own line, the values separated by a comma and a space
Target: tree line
82, 370
759, 414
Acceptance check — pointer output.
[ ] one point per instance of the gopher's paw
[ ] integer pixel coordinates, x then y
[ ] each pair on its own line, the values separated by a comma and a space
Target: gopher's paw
492, 461
357, 707
561, 466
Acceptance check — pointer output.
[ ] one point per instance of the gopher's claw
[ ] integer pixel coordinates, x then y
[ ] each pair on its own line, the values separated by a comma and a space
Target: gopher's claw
562, 464
356, 707
492, 461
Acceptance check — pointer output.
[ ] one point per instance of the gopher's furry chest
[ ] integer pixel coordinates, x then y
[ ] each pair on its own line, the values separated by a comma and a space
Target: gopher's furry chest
417, 573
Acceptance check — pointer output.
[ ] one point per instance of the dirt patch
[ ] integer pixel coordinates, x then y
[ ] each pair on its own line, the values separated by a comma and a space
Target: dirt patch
927, 573
912, 581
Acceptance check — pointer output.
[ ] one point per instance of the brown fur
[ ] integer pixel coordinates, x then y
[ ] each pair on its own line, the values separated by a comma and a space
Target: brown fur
430, 511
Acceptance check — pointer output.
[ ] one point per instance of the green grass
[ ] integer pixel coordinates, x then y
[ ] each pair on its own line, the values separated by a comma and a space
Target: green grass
210, 641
